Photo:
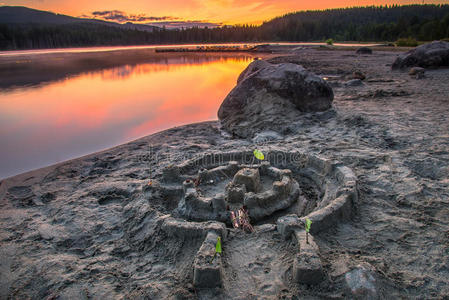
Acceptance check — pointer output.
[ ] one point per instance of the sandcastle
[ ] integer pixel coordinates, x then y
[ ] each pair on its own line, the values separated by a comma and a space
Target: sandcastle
261, 188
207, 188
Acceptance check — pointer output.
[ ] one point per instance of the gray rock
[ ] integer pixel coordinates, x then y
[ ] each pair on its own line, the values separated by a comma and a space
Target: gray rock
364, 50
334, 84
434, 54
358, 75
266, 136
417, 72
353, 82
49, 232
361, 282
269, 96
74, 291
265, 228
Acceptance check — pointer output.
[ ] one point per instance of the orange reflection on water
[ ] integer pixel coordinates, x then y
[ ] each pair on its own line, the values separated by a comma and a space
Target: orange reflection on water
93, 111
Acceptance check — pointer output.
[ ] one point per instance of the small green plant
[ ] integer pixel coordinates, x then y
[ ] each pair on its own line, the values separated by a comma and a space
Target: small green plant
406, 42
258, 154
217, 248
218, 245
330, 41
308, 224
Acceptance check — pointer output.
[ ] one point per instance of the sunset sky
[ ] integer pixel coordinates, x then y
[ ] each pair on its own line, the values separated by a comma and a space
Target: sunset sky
213, 11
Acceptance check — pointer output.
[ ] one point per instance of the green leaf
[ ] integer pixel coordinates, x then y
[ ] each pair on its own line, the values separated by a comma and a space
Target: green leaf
308, 224
218, 245
259, 155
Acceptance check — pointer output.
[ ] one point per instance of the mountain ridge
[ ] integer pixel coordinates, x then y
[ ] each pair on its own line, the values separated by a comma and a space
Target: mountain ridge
24, 15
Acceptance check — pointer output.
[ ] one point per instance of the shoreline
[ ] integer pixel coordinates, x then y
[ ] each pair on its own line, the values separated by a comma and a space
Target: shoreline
27, 174
188, 45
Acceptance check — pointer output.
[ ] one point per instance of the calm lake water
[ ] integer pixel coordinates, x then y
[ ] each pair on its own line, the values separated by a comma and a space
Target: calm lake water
66, 117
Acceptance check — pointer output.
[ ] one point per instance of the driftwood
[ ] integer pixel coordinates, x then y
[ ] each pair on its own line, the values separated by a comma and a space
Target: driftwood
240, 219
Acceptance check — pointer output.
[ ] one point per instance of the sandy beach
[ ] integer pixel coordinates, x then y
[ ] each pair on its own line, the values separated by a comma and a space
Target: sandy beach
91, 228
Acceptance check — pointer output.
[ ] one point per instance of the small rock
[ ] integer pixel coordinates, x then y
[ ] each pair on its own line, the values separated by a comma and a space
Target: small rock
334, 84
74, 291
266, 136
265, 228
417, 72
361, 282
364, 50
49, 232
353, 82
358, 75
190, 287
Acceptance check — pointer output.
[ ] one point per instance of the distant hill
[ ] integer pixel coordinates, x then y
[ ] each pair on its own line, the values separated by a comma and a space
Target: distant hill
15, 15
20, 14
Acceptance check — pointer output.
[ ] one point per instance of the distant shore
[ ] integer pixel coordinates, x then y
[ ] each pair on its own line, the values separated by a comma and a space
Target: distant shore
181, 46
32, 66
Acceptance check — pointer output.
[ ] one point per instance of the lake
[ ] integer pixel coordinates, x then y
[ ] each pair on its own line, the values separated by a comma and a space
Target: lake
54, 108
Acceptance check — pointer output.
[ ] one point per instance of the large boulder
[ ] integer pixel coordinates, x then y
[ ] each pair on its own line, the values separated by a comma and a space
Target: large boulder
252, 67
434, 54
269, 96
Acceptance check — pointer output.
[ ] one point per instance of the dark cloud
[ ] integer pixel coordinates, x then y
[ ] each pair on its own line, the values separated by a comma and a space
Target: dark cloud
185, 24
121, 17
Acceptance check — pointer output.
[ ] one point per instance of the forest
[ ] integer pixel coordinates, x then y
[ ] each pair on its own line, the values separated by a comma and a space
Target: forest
374, 23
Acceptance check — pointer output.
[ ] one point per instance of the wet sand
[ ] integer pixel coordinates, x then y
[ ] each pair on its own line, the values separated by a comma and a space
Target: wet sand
86, 228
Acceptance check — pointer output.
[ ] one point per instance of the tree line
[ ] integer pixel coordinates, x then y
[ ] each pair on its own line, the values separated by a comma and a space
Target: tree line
374, 23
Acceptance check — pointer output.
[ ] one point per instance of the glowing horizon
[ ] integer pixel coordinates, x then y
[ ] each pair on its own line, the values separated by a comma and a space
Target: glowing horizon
213, 12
